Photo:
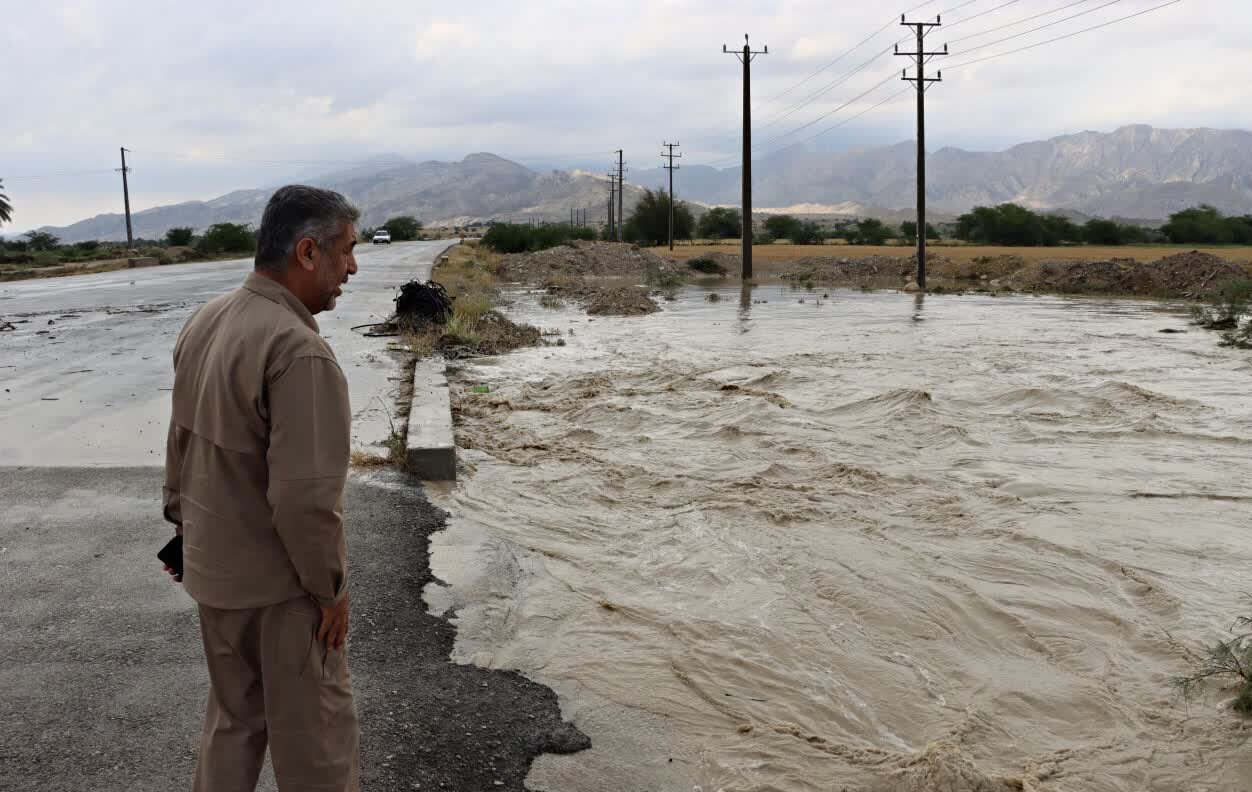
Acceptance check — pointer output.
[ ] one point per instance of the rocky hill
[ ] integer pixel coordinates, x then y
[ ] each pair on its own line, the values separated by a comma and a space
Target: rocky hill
1133, 172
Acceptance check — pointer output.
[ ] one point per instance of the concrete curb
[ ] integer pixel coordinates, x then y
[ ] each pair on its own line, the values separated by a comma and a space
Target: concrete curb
431, 450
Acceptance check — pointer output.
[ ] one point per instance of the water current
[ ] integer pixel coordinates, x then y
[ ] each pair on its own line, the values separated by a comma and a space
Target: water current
803, 540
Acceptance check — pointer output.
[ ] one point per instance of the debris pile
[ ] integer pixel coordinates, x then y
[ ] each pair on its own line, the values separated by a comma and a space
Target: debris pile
583, 259
840, 269
1191, 275
624, 301
422, 303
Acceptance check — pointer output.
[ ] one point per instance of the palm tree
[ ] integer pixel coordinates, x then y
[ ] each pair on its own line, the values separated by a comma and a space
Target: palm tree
6, 208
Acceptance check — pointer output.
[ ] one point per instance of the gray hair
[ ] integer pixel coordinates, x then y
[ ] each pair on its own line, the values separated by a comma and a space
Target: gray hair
297, 212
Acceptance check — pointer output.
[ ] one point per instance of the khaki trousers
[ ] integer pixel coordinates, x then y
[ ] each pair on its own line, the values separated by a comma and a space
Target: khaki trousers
273, 683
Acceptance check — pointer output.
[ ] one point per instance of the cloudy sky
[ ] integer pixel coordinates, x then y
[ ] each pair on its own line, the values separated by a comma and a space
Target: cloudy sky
216, 96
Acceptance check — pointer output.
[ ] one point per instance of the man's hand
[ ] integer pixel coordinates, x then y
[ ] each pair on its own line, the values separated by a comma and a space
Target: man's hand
177, 578
334, 628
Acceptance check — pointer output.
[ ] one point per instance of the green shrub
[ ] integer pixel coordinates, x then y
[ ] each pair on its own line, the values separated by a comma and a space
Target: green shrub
1231, 303
1231, 660
88, 245
227, 238
515, 238
403, 228
179, 236
649, 222
720, 223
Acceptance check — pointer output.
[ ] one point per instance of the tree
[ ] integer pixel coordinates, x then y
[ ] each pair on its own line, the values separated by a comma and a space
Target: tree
1202, 224
1010, 224
403, 228
720, 223
6, 208
869, 231
41, 240
800, 232
227, 238
179, 237
649, 222
782, 226
908, 230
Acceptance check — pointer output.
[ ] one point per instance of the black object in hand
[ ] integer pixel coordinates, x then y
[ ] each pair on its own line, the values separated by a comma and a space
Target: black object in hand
172, 555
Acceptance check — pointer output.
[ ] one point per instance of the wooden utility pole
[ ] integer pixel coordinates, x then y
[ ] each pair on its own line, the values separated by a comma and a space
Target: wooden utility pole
621, 189
671, 167
745, 58
130, 235
922, 82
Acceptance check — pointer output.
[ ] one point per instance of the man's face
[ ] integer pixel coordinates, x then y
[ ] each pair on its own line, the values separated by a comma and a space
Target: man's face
335, 264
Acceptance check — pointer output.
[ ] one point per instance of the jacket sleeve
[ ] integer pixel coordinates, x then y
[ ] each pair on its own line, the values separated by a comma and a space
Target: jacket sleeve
309, 445
171, 493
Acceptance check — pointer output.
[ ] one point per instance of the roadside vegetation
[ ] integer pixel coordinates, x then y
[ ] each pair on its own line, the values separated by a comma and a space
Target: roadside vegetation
473, 326
1227, 661
517, 238
648, 224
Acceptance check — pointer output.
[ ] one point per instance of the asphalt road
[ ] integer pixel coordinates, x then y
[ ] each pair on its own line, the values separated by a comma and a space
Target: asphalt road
86, 373
102, 676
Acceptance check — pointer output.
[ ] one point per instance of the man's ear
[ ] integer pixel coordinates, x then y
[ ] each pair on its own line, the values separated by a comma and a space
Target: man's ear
306, 253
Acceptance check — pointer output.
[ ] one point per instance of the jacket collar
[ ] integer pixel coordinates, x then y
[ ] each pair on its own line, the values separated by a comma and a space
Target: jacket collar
278, 293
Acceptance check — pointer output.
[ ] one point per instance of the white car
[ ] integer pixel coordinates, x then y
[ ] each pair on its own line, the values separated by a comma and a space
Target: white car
382, 236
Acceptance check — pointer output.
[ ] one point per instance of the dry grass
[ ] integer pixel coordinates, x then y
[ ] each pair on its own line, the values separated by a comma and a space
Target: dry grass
957, 252
470, 275
470, 268
368, 459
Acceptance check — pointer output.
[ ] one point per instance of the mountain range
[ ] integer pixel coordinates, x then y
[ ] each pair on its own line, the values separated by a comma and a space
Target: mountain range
1132, 172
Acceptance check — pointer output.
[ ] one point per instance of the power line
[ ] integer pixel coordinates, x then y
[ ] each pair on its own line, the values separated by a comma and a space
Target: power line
900, 93
852, 49
983, 13
802, 127
1067, 35
1043, 27
1018, 21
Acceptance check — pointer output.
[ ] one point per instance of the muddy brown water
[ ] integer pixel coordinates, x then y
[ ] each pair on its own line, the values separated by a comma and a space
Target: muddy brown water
870, 541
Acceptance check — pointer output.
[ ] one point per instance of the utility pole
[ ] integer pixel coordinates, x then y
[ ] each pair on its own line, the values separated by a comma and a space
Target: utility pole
920, 58
745, 58
612, 197
671, 167
130, 236
621, 190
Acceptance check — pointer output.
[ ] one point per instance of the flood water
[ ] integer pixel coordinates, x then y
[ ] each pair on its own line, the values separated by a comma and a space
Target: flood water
867, 541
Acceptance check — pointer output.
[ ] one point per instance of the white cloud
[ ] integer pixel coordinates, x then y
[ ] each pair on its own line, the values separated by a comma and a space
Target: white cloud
205, 84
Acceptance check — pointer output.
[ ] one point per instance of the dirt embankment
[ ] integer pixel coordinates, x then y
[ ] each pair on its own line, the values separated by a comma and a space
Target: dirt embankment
593, 274
1193, 274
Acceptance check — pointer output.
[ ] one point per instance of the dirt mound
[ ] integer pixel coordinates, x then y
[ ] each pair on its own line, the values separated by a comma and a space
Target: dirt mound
1069, 277
1192, 274
582, 259
840, 269
624, 301
979, 268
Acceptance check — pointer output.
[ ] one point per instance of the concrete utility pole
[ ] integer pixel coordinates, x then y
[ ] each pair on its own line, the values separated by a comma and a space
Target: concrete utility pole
130, 236
922, 82
671, 167
745, 58
621, 189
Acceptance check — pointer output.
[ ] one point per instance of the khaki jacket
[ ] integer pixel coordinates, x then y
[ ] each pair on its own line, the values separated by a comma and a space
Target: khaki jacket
257, 453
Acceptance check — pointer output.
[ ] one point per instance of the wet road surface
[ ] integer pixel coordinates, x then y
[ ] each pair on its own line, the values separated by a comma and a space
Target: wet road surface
85, 376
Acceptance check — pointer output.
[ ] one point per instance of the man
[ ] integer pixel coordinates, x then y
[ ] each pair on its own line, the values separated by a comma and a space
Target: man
255, 466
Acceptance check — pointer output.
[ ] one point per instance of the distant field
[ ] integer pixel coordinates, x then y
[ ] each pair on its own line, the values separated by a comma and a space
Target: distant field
957, 253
